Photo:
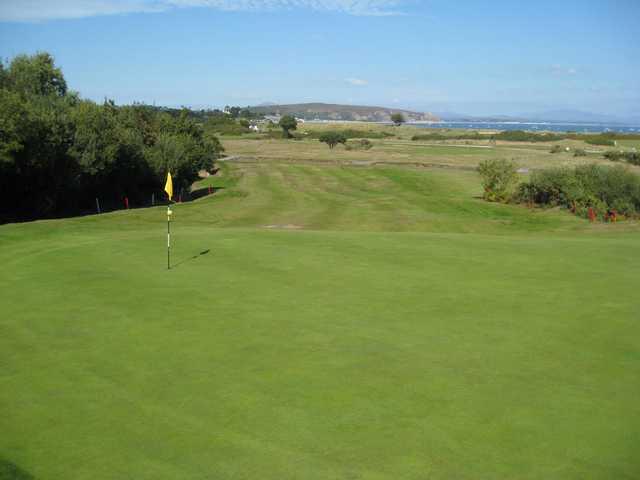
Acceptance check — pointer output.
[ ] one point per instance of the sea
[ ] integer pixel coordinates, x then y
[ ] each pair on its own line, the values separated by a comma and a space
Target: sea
533, 126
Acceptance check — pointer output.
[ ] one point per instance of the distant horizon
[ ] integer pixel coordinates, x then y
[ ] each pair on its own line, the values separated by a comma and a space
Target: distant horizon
527, 118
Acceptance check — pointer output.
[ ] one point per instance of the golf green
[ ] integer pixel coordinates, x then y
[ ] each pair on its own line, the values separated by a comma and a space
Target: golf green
321, 323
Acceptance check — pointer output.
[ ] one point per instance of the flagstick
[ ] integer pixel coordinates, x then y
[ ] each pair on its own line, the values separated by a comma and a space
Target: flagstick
168, 187
169, 237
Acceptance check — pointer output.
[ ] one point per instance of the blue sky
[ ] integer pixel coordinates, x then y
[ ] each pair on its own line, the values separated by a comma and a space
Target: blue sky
480, 57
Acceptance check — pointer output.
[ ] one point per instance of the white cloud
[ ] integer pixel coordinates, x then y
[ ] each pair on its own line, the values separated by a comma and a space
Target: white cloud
358, 82
40, 10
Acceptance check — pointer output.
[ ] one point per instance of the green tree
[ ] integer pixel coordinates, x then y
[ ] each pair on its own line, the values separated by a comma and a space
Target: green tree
288, 123
398, 119
58, 152
95, 143
3, 75
35, 75
332, 138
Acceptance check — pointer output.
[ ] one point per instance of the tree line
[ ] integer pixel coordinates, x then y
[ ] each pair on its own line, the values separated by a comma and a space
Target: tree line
59, 152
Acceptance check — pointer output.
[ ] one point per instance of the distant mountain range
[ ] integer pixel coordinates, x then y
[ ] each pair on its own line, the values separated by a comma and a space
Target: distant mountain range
551, 116
326, 111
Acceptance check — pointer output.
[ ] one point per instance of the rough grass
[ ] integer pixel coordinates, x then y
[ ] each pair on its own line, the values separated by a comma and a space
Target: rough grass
408, 330
403, 151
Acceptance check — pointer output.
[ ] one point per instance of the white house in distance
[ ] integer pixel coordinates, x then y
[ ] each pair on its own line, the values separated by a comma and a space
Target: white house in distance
272, 118
276, 118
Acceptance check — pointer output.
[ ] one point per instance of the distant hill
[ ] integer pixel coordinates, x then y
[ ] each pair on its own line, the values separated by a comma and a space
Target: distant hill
326, 111
577, 116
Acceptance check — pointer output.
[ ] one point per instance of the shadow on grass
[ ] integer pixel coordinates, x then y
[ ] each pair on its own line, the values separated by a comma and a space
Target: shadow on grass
204, 252
10, 471
202, 192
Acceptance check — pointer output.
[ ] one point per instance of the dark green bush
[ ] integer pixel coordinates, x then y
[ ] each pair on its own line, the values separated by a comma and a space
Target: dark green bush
333, 138
350, 133
603, 135
618, 156
579, 152
430, 136
362, 144
605, 138
556, 149
507, 136
460, 136
587, 186
366, 144
522, 136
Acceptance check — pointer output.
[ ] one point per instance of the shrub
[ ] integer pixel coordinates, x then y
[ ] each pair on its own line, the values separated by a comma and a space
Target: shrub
365, 144
614, 155
430, 136
594, 186
499, 177
600, 141
398, 119
556, 149
579, 152
460, 136
604, 138
362, 144
332, 138
617, 156
507, 136
350, 133
633, 158
522, 136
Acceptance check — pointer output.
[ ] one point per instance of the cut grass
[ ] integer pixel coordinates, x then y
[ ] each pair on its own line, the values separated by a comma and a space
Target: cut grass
410, 330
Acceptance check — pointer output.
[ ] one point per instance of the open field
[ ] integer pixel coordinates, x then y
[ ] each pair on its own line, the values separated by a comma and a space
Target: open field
389, 152
324, 321
399, 149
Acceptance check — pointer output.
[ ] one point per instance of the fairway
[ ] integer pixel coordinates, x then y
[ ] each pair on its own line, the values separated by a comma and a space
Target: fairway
322, 322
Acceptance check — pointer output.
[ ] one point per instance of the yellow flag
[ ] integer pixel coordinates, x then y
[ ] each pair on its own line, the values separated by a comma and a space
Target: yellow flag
168, 187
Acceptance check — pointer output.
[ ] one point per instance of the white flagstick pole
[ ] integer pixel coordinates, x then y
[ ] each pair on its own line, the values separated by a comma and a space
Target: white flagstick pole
169, 237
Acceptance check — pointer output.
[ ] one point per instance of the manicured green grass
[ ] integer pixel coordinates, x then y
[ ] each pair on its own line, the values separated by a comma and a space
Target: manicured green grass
322, 323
